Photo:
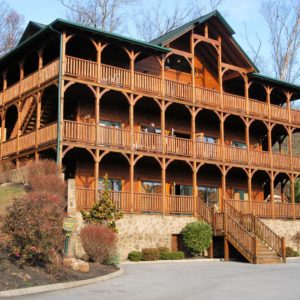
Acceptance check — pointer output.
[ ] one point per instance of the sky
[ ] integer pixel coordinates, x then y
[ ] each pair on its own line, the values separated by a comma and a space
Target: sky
236, 12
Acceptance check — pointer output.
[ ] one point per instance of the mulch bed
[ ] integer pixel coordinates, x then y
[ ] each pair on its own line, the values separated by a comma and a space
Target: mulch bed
13, 277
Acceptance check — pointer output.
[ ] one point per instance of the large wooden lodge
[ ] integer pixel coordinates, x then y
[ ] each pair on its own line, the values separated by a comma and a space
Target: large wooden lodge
182, 125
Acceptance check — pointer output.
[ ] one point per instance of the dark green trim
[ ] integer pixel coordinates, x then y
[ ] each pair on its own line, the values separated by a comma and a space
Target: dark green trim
272, 80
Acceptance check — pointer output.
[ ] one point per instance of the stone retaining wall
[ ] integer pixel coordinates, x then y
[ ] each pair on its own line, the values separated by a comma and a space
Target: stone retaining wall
143, 231
286, 228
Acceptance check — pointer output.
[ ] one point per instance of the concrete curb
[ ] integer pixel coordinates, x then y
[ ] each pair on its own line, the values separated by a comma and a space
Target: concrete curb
200, 260
293, 258
58, 286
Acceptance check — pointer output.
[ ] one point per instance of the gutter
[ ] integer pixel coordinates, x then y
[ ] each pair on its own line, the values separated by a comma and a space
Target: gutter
58, 153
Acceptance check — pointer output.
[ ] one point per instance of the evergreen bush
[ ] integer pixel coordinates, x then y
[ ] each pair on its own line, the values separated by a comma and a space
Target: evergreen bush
197, 237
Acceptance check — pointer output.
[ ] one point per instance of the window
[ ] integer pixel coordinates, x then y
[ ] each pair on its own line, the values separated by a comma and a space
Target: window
239, 144
209, 195
240, 195
114, 184
110, 124
151, 129
151, 187
184, 190
209, 139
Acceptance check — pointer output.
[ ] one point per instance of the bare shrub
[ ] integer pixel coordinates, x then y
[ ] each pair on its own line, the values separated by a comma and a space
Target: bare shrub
99, 242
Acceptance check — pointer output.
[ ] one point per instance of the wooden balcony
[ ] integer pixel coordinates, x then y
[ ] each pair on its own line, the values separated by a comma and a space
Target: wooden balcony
150, 84
30, 82
264, 209
41, 137
149, 142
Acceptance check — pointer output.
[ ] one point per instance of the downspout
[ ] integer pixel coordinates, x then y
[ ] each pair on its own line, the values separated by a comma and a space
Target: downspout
58, 158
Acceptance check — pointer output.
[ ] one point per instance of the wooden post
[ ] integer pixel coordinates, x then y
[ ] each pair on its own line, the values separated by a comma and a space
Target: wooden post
255, 250
163, 185
222, 135
131, 121
211, 249
192, 45
290, 136
223, 188
270, 144
18, 127
131, 175
247, 135
283, 249
193, 131
272, 194
220, 74
250, 188
163, 127
288, 105
268, 91
246, 86
38, 117
293, 197
40, 66
97, 114
96, 172
195, 187
132, 58
99, 51
226, 249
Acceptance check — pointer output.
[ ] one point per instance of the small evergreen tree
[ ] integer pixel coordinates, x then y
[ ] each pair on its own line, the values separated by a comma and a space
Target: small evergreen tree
104, 211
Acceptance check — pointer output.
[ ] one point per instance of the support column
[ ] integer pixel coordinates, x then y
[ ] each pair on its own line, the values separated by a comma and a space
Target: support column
220, 75
193, 131
293, 196
132, 58
97, 114
195, 187
226, 249
163, 126
246, 87
222, 135
96, 172
291, 147
99, 51
268, 91
40, 66
223, 187
131, 121
18, 127
193, 66
250, 189
38, 117
270, 144
247, 137
2, 134
163, 185
272, 194
131, 175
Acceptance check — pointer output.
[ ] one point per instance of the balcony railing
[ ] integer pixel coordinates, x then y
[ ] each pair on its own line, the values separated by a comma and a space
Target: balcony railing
151, 142
30, 82
42, 136
262, 209
154, 85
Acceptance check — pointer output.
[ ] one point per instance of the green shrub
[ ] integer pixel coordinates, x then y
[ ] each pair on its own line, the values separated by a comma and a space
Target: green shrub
113, 259
33, 225
171, 255
135, 256
150, 254
163, 249
290, 252
197, 237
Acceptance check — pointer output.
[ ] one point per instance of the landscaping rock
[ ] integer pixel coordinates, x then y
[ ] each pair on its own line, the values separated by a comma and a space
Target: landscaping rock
76, 265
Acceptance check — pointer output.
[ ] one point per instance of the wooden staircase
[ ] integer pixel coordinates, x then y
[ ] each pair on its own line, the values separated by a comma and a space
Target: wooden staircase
255, 241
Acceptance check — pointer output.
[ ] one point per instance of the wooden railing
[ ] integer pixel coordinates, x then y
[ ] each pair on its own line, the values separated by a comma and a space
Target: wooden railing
147, 141
179, 204
236, 155
208, 151
122, 200
30, 82
204, 212
153, 84
179, 146
281, 161
85, 198
243, 240
260, 158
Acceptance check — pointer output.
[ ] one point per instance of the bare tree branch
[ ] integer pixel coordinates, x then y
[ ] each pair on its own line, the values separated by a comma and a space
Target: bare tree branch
105, 14
10, 27
158, 20
283, 20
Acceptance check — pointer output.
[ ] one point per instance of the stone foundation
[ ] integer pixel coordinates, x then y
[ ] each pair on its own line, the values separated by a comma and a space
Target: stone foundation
142, 231
285, 228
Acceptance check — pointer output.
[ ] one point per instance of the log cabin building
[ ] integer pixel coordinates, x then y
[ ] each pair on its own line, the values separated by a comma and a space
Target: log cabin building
184, 125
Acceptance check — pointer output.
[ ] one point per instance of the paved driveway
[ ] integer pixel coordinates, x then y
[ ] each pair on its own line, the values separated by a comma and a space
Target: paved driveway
189, 281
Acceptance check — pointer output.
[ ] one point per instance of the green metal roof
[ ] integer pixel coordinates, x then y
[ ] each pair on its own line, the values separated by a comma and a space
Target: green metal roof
265, 78
32, 26
169, 36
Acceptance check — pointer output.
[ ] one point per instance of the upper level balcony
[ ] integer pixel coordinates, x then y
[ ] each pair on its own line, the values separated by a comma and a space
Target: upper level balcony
156, 85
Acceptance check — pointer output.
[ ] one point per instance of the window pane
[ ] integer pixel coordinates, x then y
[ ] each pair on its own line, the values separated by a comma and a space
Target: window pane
114, 184
186, 190
152, 187
110, 124
209, 195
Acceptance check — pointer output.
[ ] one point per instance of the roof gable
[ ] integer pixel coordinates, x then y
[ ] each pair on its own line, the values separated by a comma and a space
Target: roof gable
31, 29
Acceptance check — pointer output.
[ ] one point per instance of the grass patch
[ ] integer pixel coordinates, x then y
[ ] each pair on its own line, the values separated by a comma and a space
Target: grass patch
8, 193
